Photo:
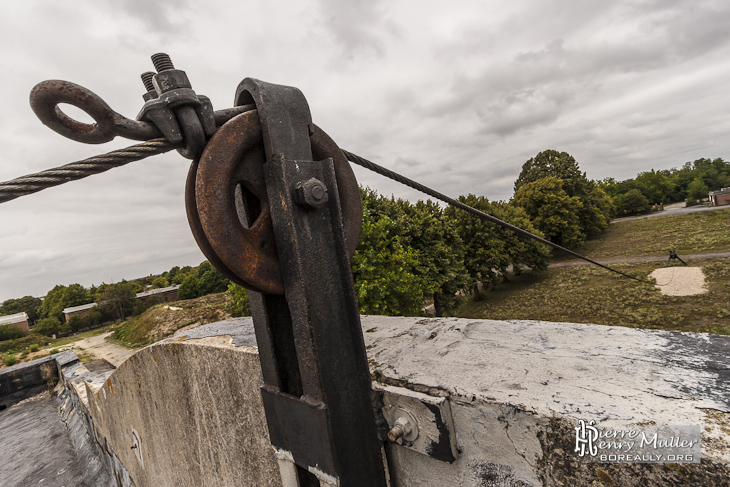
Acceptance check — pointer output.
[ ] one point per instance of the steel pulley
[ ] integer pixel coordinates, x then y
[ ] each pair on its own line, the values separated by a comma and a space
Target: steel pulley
228, 208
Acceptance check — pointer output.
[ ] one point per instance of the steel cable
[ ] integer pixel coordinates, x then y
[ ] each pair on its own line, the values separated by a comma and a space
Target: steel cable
32, 183
458, 204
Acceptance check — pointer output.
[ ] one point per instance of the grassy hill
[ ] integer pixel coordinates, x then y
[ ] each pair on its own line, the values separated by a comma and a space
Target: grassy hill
594, 295
163, 320
687, 234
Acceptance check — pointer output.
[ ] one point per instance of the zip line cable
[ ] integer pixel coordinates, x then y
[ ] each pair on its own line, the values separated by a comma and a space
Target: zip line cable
32, 183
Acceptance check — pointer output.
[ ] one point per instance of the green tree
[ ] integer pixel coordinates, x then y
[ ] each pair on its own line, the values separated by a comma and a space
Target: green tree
159, 282
210, 281
552, 211
74, 323
384, 269
656, 186
631, 203
27, 304
594, 212
696, 191
239, 305
597, 210
439, 251
490, 248
117, 300
189, 287
93, 317
9, 332
551, 163
417, 247
61, 297
48, 326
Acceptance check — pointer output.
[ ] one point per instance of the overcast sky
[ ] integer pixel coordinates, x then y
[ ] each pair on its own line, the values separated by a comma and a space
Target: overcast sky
457, 95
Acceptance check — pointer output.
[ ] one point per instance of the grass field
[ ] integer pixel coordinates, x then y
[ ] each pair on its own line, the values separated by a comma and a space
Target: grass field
594, 295
687, 234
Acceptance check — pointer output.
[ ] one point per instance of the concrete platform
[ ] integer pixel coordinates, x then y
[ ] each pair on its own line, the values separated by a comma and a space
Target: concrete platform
187, 410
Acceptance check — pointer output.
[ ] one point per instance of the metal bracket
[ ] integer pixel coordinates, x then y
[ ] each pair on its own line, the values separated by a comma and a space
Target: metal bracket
313, 361
419, 422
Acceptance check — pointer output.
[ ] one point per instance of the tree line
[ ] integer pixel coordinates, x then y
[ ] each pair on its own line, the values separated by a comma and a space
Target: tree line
412, 253
115, 301
691, 183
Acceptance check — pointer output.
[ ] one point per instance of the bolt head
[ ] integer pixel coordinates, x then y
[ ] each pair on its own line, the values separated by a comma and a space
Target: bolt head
311, 194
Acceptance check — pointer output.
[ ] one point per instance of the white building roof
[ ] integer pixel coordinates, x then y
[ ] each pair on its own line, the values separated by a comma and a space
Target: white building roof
76, 309
16, 318
152, 292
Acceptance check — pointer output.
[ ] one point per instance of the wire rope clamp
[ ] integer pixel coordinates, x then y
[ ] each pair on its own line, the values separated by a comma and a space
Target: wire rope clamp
183, 116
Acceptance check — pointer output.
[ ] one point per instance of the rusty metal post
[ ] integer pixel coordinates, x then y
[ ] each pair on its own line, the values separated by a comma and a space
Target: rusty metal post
317, 392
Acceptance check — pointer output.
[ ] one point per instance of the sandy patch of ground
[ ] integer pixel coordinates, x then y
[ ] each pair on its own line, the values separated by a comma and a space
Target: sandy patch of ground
680, 281
99, 347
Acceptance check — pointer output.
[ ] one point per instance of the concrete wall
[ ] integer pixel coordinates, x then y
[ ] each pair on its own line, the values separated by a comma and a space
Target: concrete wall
518, 388
187, 411
179, 414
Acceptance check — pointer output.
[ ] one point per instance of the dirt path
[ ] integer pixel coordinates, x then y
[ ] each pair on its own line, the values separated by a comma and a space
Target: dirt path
100, 348
648, 258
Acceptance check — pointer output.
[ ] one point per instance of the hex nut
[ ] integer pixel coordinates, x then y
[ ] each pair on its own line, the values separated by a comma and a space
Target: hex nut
404, 427
311, 194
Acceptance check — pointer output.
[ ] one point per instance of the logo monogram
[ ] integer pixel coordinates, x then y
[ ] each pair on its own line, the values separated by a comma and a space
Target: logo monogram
585, 436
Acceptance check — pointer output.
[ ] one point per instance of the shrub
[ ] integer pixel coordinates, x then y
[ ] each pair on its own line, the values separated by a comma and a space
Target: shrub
9, 332
9, 360
138, 309
48, 326
33, 348
74, 323
93, 317
54, 351
239, 305
21, 343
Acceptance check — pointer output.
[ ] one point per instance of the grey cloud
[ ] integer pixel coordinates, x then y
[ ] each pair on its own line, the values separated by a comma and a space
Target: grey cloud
407, 161
536, 86
159, 16
358, 26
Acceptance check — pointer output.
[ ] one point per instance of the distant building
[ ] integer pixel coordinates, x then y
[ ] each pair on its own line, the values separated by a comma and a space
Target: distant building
19, 319
79, 311
160, 295
720, 197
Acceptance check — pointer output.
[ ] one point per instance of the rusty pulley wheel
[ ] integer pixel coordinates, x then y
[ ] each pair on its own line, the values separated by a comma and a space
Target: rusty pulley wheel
228, 208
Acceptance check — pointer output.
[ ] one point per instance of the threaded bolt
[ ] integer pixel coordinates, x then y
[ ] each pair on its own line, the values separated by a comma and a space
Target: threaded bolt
147, 80
162, 62
396, 432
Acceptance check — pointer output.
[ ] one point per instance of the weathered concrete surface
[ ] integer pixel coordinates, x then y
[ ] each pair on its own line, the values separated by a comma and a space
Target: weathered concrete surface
518, 388
100, 347
26, 375
37, 449
190, 405
39, 446
187, 411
